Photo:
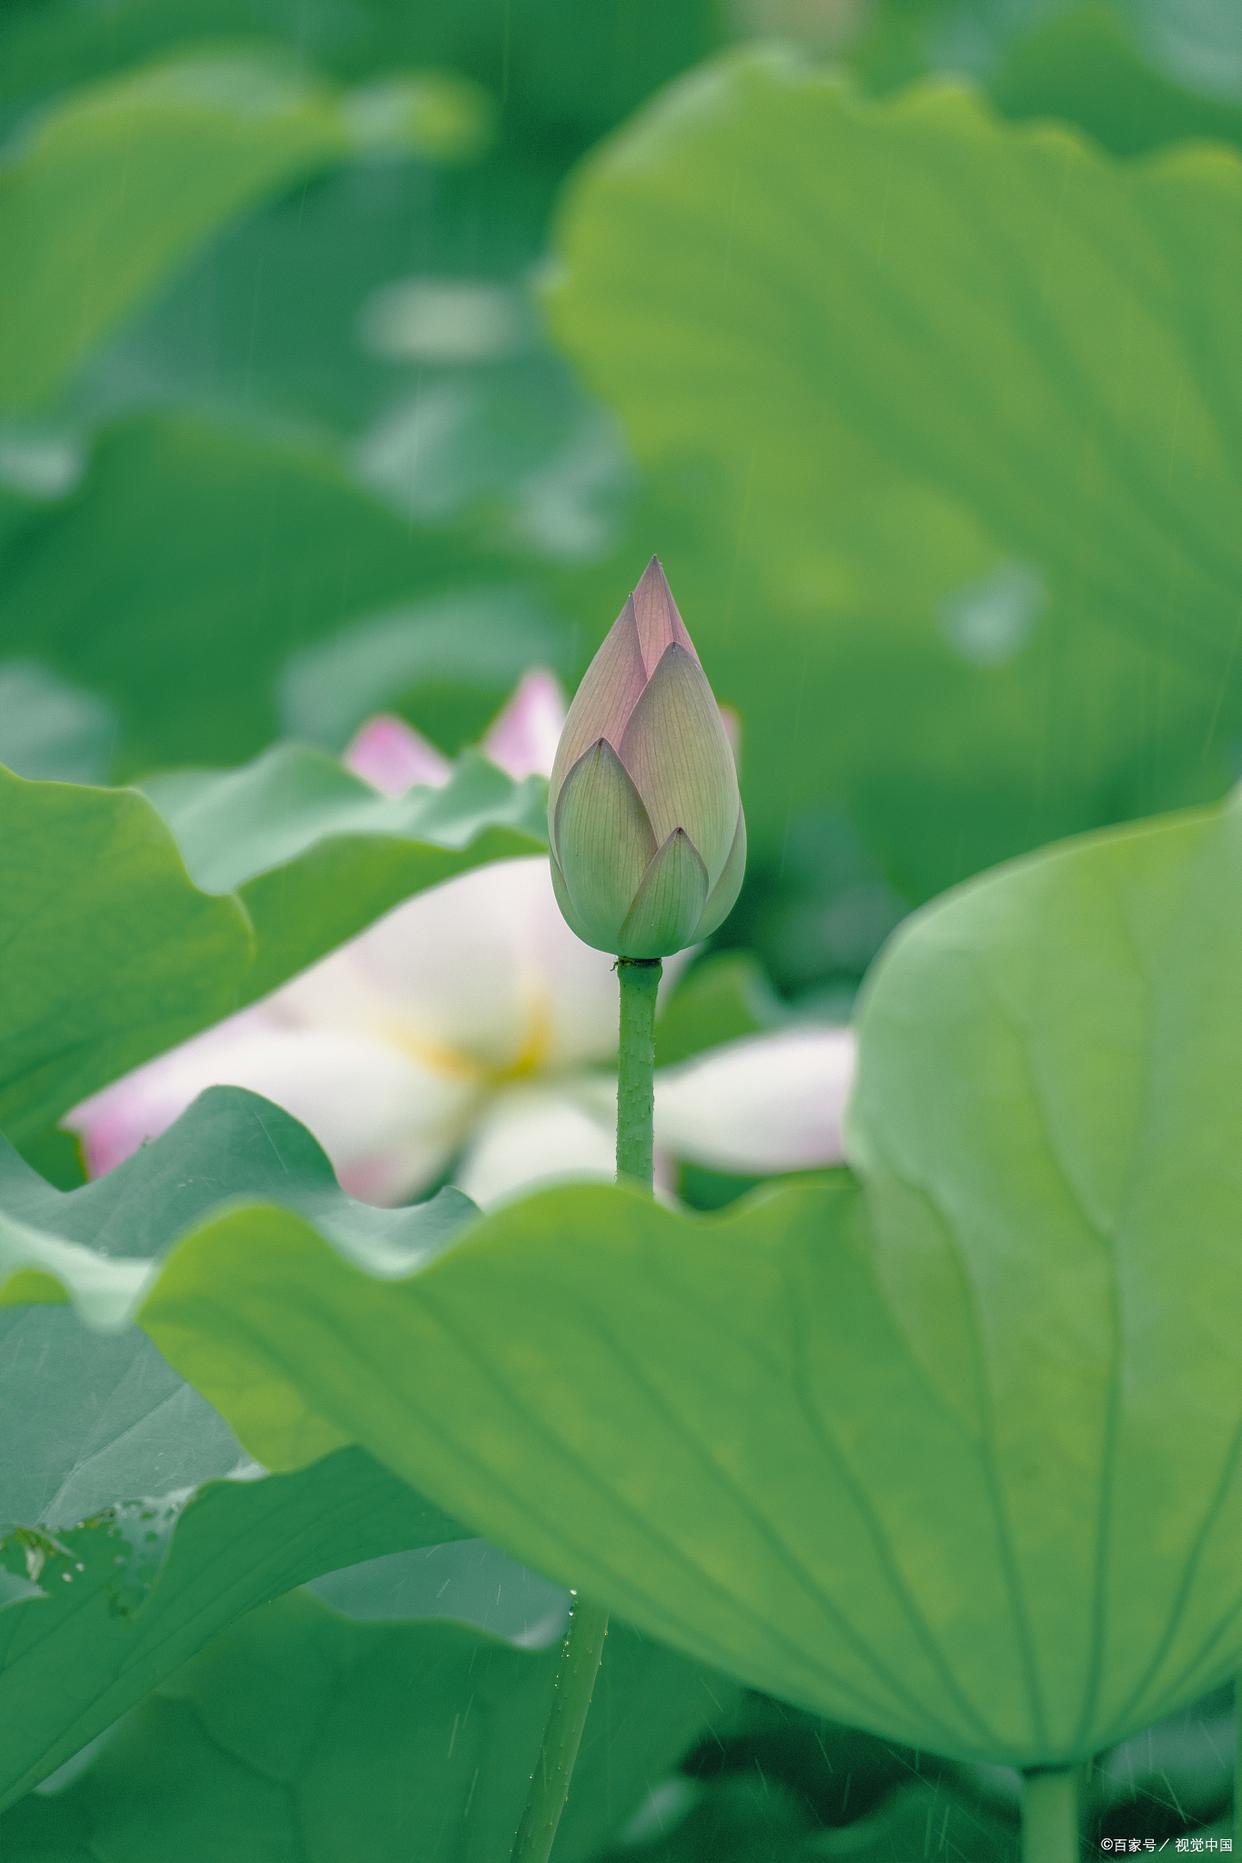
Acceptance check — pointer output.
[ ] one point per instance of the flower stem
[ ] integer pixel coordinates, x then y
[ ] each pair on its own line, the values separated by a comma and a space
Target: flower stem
575, 1683
640, 982
1050, 1815
583, 1648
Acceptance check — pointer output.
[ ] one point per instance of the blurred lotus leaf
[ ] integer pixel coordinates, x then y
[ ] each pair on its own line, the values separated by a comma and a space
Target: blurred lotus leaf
947, 445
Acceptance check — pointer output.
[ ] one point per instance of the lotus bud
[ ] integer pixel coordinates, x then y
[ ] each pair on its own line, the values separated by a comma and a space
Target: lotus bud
645, 822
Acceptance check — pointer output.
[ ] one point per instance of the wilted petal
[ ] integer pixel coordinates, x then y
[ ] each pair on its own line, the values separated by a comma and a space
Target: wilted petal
765, 1103
387, 1122
394, 757
676, 750
668, 903
530, 1136
523, 739
603, 844
605, 698
657, 618
723, 896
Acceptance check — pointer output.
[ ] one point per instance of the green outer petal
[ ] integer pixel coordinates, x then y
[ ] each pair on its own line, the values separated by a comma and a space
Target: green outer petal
577, 925
723, 896
603, 843
668, 904
676, 750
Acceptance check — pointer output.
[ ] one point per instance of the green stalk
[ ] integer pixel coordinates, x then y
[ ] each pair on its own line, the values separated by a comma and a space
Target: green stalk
1050, 1816
583, 1647
639, 978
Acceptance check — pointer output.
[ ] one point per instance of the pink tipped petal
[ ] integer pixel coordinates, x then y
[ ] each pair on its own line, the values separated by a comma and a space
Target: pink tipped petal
534, 1136
114, 1122
604, 700
657, 618
387, 1121
524, 737
679, 757
393, 757
765, 1103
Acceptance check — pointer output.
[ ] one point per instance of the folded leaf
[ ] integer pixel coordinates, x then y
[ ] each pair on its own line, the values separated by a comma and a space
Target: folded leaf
134, 1525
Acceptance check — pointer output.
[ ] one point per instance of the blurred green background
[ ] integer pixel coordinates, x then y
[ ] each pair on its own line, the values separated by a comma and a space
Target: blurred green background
356, 356
347, 365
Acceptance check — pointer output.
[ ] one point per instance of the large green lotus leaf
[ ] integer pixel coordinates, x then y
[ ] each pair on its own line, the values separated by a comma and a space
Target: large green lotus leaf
976, 456
136, 171
946, 1447
134, 1524
301, 1732
113, 953
254, 547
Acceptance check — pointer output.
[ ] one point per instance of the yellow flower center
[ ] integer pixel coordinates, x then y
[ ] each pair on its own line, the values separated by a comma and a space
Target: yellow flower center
530, 1058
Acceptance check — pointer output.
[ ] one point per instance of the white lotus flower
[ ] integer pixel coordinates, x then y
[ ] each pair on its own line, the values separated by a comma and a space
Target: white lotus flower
465, 1026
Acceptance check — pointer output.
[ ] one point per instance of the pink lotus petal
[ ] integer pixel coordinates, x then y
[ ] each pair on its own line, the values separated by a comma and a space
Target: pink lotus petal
657, 617
762, 1104
445, 973
393, 757
114, 1122
111, 1126
387, 1120
607, 694
523, 739
535, 1135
